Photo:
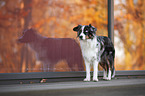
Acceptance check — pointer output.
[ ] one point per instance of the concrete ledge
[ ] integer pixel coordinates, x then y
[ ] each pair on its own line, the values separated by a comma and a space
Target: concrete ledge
48, 88
27, 78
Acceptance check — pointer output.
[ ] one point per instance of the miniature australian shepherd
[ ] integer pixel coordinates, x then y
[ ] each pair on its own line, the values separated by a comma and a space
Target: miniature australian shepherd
96, 50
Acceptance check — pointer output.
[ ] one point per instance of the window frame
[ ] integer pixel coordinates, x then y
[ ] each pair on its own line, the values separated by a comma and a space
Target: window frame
58, 76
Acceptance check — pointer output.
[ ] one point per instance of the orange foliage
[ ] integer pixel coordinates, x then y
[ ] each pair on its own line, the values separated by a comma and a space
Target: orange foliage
56, 19
129, 25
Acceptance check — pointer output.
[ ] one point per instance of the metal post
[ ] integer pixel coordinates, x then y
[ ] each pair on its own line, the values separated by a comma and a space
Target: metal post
111, 19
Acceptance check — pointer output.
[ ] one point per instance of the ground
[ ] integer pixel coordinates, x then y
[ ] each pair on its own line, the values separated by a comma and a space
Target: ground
115, 87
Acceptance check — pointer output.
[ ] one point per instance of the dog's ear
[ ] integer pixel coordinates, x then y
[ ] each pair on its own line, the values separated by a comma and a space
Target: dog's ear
90, 25
77, 28
92, 28
95, 29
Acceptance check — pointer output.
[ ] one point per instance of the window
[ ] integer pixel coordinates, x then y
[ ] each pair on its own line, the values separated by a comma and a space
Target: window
129, 17
51, 18
56, 19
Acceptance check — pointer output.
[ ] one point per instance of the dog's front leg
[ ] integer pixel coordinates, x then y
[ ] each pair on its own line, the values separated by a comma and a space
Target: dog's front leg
95, 74
87, 71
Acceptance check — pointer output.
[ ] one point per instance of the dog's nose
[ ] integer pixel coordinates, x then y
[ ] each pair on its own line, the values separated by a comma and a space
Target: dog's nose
81, 37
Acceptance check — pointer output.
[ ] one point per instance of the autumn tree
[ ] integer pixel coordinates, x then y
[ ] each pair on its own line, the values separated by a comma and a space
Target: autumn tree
52, 18
10, 14
56, 19
130, 25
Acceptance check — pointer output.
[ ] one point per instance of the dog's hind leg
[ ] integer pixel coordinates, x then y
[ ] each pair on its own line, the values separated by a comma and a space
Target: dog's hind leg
112, 67
105, 74
108, 71
113, 72
109, 74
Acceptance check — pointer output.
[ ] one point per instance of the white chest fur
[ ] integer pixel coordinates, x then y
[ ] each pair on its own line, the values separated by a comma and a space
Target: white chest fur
89, 49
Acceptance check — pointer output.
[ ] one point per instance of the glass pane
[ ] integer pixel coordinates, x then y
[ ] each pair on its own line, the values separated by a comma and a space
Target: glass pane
129, 34
50, 18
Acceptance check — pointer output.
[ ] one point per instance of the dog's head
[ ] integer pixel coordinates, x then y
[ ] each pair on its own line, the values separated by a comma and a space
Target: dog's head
28, 36
85, 31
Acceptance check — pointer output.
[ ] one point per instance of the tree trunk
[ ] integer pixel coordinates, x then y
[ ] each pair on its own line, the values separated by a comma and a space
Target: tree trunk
27, 22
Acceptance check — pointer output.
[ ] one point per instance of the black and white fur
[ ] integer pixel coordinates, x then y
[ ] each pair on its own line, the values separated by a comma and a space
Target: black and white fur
96, 50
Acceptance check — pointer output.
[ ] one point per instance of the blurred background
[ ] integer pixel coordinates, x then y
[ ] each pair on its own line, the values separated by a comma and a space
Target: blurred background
56, 19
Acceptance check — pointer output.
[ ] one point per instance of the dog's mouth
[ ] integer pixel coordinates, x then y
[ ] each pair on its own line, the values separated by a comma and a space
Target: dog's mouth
86, 37
89, 36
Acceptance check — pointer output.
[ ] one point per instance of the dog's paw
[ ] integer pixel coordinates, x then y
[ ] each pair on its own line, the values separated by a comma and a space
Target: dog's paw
86, 79
106, 78
95, 79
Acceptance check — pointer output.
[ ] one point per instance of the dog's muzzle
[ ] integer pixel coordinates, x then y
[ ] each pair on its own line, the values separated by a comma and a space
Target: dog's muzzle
81, 37
86, 37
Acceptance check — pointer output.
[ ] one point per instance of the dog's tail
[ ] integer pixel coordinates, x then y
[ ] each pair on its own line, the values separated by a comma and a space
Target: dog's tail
113, 68
113, 72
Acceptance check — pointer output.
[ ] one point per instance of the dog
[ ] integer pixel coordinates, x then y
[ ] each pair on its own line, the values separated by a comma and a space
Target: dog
96, 50
51, 50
